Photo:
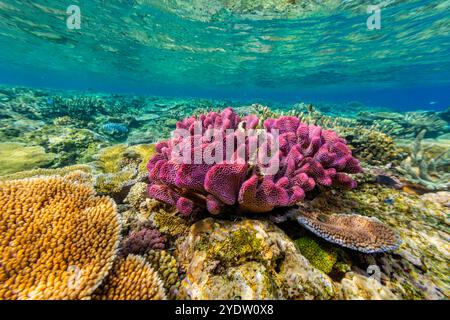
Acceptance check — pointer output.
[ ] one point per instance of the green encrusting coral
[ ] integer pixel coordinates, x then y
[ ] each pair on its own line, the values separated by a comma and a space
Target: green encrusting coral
236, 248
15, 157
48, 172
113, 159
321, 256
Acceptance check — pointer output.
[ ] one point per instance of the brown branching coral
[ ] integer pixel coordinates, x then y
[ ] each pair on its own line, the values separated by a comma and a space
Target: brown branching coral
370, 145
143, 240
57, 239
131, 278
365, 234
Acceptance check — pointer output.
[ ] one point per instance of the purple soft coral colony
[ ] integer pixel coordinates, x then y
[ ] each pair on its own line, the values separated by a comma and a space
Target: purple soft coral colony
307, 156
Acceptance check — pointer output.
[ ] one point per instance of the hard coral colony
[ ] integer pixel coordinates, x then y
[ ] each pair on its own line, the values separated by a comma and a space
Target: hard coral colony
308, 157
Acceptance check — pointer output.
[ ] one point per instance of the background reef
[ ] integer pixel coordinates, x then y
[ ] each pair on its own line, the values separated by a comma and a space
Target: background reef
95, 147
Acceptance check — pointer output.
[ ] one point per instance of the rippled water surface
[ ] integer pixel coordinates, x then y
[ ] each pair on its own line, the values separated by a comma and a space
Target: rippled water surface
278, 49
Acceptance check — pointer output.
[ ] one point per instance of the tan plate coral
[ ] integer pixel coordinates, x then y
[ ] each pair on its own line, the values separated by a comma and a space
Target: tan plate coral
131, 279
364, 234
57, 239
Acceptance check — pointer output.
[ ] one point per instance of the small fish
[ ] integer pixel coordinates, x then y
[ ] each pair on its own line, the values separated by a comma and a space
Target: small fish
114, 128
389, 201
433, 102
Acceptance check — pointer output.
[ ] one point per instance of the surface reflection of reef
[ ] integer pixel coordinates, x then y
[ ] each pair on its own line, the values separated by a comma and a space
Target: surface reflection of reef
59, 145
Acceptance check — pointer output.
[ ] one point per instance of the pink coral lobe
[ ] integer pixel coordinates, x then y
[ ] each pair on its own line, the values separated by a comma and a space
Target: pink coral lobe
307, 157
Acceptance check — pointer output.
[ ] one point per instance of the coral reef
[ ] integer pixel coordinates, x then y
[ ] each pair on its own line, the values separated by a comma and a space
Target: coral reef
368, 235
63, 172
307, 156
246, 259
131, 278
358, 287
82, 108
405, 125
320, 256
137, 195
17, 157
371, 146
142, 241
58, 240
419, 168
165, 220
167, 267
121, 167
419, 268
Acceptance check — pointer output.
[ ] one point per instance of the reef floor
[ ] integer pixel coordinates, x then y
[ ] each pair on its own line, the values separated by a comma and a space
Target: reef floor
104, 142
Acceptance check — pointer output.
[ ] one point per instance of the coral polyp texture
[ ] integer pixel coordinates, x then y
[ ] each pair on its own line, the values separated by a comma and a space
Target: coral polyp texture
57, 239
141, 241
299, 157
131, 279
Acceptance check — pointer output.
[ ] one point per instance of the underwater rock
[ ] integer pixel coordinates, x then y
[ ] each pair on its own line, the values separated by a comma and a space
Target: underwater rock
358, 287
246, 259
308, 157
16, 157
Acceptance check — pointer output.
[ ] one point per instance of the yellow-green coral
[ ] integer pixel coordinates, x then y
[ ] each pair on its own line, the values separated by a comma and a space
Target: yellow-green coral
145, 152
15, 157
237, 247
113, 159
48, 172
168, 222
321, 256
137, 195
110, 158
166, 265
114, 182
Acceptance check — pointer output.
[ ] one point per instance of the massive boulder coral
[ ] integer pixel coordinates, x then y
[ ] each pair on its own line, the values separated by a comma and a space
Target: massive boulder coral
57, 239
291, 161
247, 259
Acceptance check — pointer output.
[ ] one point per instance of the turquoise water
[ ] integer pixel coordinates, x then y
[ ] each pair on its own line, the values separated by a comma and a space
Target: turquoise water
281, 50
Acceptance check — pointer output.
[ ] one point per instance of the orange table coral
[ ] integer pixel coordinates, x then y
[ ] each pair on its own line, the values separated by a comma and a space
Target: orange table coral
131, 279
57, 239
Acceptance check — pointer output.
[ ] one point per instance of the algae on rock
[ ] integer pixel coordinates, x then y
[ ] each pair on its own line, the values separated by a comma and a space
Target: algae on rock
248, 259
